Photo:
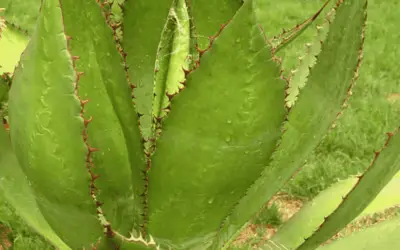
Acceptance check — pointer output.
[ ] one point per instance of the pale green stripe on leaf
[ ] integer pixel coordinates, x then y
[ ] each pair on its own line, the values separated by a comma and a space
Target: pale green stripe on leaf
12, 44
218, 137
209, 15
16, 190
46, 132
315, 111
143, 25
114, 129
383, 236
384, 167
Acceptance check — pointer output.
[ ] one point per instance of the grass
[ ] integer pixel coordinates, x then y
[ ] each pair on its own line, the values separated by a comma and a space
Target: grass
23, 237
360, 131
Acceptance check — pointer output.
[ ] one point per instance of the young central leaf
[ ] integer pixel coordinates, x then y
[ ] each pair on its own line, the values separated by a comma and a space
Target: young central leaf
143, 25
218, 137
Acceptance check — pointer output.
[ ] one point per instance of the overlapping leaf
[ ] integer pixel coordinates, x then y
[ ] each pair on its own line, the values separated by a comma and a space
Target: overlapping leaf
218, 137
385, 165
114, 130
316, 109
312, 214
172, 57
384, 235
17, 191
144, 21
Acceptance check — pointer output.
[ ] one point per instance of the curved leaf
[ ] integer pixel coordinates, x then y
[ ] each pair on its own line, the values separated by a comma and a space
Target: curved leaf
18, 193
46, 132
386, 164
172, 57
312, 214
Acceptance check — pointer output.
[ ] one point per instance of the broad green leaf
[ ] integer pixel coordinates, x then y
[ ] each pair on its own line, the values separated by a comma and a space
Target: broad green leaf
172, 57
15, 188
312, 214
209, 15
144, 21
316, 109
21, 13
46, 132
218, 137
12, 44
385, 165
384, 235
114, 130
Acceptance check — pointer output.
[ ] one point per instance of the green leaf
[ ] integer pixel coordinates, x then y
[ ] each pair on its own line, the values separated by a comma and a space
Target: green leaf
209, 15
21, 13
316, 109
298, 76
143, 25
12, 44
388, 197
172, 57
385, 165
18, 193
312, 214
384, 235
46, 132
218, 137
114, 130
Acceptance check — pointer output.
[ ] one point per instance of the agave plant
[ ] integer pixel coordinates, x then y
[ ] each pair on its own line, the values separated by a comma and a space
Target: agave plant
147, 124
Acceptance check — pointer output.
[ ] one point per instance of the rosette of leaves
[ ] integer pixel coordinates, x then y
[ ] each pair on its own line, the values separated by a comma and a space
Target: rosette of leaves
164, 124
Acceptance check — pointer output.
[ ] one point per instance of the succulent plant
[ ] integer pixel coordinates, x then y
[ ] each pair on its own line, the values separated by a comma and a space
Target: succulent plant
146, 124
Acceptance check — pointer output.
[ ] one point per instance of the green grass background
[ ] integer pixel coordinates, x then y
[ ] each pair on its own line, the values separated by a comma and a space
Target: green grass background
360, 131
